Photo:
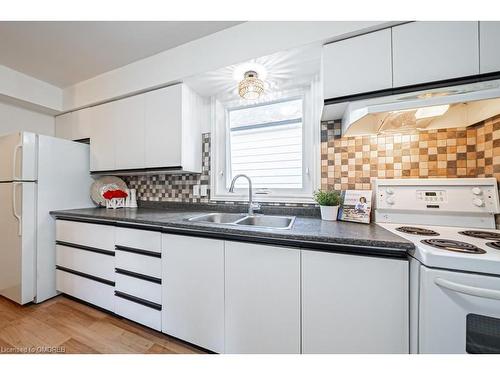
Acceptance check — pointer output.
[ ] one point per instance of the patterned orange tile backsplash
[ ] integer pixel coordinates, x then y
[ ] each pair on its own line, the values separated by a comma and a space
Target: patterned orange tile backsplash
353, 162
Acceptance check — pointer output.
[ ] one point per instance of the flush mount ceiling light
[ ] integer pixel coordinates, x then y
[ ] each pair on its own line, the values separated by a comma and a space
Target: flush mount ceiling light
251, 87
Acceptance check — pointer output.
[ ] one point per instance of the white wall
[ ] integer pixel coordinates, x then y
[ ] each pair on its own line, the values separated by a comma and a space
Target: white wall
227, 47
21, 87
14, 118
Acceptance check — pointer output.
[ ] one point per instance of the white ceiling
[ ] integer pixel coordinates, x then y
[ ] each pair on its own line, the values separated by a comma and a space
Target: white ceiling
64, 53
285, 70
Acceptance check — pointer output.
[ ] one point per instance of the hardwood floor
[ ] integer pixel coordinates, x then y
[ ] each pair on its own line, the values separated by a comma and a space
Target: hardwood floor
62, 325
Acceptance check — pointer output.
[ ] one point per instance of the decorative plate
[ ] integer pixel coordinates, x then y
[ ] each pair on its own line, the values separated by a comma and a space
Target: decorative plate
102, 185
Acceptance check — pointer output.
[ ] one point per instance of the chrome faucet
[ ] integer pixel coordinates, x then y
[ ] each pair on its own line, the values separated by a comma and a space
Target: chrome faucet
251, 205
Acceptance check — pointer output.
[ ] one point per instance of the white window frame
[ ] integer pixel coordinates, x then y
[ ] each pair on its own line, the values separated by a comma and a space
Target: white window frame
310, 160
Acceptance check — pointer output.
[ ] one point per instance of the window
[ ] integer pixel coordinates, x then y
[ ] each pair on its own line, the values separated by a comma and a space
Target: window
265, 143
273, 142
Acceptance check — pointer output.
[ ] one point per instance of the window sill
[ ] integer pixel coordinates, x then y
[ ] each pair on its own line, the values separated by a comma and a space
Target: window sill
305, 199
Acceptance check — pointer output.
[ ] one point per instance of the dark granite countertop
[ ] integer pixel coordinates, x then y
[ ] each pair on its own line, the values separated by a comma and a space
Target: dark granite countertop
307, 232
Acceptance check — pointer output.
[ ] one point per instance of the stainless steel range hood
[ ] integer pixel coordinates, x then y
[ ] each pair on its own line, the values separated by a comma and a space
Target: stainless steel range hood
449, 107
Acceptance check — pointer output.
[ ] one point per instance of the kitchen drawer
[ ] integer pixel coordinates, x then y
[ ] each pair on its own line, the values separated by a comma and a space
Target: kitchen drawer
91, 262
137, 311
139, 239
88, 290
139, 287
92, 235
138, 261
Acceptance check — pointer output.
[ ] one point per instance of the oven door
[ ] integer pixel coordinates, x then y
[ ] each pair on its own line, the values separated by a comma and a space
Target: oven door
459, 312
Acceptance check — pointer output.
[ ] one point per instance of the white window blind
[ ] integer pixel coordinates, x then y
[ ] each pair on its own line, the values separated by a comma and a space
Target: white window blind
266, 144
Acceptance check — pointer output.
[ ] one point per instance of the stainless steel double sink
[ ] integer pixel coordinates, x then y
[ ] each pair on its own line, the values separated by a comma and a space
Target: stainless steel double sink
260, 221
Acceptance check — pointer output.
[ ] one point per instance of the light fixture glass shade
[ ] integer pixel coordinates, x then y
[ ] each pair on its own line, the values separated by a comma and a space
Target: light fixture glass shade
251, 87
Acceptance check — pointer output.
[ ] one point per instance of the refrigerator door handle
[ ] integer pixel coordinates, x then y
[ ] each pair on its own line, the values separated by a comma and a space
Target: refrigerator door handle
17, 148
14, 208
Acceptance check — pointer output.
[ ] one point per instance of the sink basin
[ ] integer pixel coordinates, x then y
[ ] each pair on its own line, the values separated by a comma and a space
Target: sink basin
261, 221
218, 218
276, 222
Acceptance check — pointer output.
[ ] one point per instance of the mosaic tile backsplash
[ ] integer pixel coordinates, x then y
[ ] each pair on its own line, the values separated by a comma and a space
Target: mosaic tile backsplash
353, 162
179, 188
174, 188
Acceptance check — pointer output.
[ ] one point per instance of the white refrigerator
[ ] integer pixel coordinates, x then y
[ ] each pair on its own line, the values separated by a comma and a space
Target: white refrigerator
38, 174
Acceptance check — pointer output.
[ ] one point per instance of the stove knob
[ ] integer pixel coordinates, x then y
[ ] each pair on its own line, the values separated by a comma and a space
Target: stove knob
390, 200
390, 191
478, 202
476, 191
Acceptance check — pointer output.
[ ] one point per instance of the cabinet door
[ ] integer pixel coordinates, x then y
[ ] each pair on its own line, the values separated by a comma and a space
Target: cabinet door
357, 65
262, 299
129, 133
82, 125
193, 290
65, 125
489, 34
163, 127
102, 142
74, 125
434, 51
354, 304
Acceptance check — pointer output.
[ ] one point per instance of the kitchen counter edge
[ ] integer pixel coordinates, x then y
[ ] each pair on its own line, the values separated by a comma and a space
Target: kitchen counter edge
353, 245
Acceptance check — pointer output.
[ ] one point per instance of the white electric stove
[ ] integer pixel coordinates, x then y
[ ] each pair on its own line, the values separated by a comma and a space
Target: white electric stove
455, 267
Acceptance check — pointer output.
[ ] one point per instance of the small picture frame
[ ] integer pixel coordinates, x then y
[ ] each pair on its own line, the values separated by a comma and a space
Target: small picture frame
356, 206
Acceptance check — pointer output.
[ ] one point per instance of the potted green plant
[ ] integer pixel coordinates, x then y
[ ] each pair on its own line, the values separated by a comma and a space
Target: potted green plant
329, 201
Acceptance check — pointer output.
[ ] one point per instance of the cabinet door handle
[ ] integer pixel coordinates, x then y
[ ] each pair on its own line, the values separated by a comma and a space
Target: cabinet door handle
138, 300
138, 276
467, 289
127, 249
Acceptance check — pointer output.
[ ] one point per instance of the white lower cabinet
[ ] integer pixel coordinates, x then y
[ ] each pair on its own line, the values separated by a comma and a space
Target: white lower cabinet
142, 263
193, 290
262, 298
237, 297
145, 289
91, 291
354, 304
92, 263
138, 312
117, 270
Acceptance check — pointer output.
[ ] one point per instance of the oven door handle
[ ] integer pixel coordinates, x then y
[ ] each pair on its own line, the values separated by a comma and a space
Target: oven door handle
466, 289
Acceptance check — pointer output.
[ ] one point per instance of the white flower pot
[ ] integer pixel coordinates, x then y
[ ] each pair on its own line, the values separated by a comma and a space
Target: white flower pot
329, 212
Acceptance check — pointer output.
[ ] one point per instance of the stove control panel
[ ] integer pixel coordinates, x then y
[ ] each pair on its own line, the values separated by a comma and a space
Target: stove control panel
431, 196
467, 195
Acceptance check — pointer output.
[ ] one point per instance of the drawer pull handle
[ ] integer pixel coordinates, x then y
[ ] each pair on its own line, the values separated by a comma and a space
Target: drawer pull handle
138, 275
138, 251
138, 300
86, 276
86, 248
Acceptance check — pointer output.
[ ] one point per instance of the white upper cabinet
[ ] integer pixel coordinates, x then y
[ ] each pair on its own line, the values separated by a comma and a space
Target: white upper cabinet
129, 133
158, 129
489, 49
434, 51
74, 126
357, 65
64, 125
262, 299
102, 138
163, 127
